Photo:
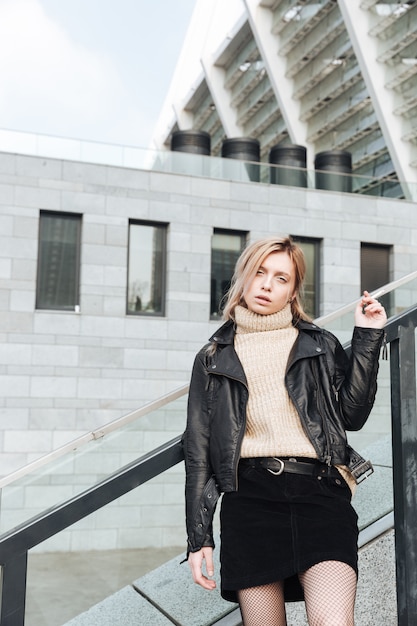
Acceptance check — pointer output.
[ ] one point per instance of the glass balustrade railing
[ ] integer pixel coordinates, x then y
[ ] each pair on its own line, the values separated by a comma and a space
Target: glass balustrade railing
396, 297
107, 551
200, 165
89, 459
46, 483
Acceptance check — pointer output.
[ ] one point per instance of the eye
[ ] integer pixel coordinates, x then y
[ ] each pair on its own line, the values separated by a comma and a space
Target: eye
259, 272
281, 279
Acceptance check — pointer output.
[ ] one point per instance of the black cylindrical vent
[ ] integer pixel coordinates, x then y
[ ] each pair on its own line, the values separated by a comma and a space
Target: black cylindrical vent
333, 170
244, 149
292, 162
191, 141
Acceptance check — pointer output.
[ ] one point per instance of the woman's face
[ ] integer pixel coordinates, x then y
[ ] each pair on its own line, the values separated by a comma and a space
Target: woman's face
272, 286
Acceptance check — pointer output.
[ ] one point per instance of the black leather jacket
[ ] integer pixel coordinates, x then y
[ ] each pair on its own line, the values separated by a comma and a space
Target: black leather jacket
331, 392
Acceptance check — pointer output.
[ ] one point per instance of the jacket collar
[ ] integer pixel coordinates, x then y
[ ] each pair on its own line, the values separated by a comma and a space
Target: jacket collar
304, 325
226, 360
228, 363
225, 334
306, 344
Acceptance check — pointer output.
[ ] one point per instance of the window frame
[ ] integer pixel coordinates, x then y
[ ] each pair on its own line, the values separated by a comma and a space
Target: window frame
243, 234
317, 243
386, 299
164, 229
76, 217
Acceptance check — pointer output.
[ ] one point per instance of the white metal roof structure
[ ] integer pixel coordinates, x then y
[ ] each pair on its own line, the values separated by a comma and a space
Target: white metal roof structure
324, 74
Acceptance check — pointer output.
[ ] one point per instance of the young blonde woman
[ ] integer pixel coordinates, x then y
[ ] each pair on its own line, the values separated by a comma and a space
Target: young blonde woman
271, 398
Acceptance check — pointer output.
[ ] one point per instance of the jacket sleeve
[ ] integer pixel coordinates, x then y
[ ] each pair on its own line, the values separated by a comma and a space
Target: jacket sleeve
201, 493
357, 381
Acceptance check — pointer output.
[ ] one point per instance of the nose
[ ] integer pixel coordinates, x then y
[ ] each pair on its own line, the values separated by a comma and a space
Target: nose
266, 285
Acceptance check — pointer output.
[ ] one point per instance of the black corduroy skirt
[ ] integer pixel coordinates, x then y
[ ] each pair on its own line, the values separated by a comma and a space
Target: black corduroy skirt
274, 527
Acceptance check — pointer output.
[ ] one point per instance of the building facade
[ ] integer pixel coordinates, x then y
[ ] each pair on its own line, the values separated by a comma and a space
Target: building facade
323, 74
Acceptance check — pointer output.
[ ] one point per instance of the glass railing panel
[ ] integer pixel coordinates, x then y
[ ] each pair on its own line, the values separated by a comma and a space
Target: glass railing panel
378, 427
374, 496
204, 166
83, 467
107, 551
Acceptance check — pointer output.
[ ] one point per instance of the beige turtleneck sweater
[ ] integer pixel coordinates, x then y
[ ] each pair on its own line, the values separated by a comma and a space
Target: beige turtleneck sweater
273, 427
263, 344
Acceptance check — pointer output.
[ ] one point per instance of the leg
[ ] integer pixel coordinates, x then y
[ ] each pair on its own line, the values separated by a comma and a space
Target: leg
330, 591
263, 606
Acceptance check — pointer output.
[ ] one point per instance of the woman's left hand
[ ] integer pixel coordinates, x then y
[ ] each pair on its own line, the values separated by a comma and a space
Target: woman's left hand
370, 313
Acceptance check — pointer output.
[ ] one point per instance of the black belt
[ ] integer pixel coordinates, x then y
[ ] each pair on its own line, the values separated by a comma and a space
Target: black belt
275, 465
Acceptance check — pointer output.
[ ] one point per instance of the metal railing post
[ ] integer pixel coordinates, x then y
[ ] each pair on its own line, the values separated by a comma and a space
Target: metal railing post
14, 544
13, 591
404, 445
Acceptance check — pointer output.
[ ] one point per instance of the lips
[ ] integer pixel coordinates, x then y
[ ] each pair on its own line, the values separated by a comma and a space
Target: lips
263, 299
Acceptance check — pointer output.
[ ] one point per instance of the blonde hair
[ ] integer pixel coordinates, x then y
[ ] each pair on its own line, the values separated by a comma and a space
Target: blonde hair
248, 264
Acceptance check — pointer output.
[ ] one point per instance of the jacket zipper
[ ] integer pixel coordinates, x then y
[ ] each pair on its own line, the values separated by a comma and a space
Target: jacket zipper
242, 429
328, 455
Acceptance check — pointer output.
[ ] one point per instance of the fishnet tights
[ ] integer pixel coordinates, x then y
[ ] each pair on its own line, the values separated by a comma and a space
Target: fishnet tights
329, 590
263, 606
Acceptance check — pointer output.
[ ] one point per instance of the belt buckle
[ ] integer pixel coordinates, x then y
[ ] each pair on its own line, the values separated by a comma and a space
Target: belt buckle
281, 469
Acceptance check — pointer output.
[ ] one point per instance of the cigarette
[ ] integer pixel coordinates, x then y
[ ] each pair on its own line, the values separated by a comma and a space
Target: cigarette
378, 294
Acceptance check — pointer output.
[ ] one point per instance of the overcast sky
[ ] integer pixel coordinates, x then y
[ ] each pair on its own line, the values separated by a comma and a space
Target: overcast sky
88, 69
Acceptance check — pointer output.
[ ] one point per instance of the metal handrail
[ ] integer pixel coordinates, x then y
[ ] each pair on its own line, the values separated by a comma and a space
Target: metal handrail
93, 435
114, 425
330, 317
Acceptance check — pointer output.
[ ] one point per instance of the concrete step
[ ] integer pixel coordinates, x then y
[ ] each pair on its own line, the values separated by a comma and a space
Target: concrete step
167, 595
166, 591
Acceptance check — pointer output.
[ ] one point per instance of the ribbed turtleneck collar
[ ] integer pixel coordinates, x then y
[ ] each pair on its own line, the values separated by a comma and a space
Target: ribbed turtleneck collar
250, 322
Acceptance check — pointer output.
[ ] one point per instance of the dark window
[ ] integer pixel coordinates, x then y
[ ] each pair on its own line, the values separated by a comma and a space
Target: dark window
375, 270
311, 296
57, 285
146, 268
226, 246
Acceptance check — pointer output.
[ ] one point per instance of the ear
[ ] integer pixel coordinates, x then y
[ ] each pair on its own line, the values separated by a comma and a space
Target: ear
293, 297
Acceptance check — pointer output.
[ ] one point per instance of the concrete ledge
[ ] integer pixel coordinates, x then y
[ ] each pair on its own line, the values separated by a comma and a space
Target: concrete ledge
162, 597
126, 607
376, 597
171, 589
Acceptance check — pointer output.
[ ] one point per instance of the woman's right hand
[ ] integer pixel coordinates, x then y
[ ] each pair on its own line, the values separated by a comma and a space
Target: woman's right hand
195, 561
